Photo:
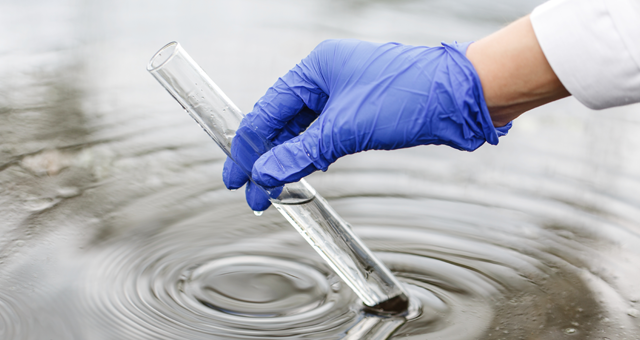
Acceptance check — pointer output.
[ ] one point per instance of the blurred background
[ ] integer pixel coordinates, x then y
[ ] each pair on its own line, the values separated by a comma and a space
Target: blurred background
113, 216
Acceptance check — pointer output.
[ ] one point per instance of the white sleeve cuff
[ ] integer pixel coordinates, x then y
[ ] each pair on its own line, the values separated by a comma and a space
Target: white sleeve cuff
593, 46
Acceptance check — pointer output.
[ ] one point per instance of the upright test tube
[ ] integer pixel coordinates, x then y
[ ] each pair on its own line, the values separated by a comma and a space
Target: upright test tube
299, 203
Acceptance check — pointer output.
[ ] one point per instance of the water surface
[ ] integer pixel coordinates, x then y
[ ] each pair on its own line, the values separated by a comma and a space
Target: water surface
115, 224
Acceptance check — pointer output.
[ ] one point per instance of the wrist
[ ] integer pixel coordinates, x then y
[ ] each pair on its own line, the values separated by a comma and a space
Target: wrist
514, 73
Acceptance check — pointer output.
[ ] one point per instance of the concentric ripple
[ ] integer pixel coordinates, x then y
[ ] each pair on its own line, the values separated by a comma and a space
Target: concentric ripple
269, 286
489, 273
12, 323
257, 287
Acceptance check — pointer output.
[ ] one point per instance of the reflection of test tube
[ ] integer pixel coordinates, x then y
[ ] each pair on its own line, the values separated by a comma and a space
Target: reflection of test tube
307, 211
374, 328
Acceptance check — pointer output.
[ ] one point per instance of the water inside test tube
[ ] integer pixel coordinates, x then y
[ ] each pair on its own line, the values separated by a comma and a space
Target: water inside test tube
315, 222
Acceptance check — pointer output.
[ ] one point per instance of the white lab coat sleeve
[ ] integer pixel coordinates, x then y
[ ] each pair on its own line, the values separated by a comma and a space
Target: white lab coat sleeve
593, 46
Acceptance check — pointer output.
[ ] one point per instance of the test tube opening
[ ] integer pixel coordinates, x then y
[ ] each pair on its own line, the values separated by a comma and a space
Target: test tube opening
166, 53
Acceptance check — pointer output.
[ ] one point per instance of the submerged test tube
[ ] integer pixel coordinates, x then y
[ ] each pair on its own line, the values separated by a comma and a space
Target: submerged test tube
307, 211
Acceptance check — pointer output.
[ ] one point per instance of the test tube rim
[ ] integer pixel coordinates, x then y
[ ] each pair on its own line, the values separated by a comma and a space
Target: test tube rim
175, 51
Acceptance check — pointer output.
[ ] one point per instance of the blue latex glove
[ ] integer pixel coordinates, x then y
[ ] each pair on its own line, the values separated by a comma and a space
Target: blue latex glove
365, 96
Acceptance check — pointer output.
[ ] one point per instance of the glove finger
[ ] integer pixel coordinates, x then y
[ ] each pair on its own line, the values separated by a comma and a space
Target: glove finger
283, 164
256, 198
290, 95
232, 175
280, 112
305, 117
288, 162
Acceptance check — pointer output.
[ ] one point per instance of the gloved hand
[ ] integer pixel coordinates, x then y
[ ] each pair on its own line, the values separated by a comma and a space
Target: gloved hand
365, 96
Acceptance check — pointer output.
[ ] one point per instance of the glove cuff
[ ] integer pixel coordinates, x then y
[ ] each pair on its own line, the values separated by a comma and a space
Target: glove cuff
472, 103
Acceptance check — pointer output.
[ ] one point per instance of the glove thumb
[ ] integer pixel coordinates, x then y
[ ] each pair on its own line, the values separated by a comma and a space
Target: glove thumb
287, 162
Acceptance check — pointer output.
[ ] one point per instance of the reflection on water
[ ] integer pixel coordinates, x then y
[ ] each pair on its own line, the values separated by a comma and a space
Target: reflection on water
114, 222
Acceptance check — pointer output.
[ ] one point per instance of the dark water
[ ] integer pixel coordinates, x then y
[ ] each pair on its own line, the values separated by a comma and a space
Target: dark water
114, 223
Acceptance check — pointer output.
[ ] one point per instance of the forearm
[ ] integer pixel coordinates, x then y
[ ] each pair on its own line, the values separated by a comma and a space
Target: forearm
514, 72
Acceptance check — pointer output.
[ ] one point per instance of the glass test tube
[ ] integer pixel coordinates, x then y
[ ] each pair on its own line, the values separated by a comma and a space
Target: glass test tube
307, 211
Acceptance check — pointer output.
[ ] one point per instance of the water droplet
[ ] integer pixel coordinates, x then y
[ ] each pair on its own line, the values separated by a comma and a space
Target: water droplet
575, 324
569, 330
335, 286
19, 243
633, 312
258, 213
68, 192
